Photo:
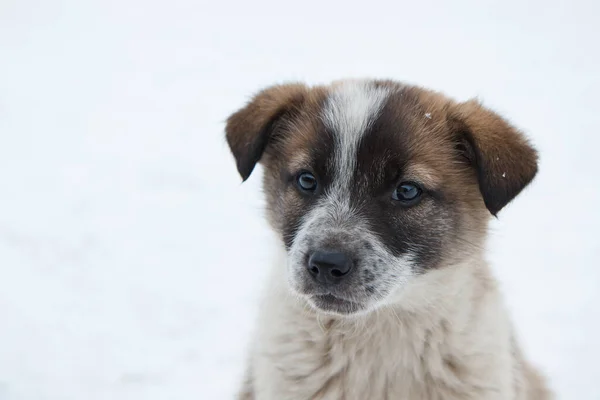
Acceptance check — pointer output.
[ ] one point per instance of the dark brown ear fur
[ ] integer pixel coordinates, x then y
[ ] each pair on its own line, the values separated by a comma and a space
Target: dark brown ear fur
249, 130
505, 161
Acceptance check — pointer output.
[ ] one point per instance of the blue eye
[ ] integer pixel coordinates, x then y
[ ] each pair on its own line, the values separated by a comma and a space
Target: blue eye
407, 193
306, 181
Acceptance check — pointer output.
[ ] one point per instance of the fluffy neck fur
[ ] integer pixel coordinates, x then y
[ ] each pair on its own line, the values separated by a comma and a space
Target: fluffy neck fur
445, 337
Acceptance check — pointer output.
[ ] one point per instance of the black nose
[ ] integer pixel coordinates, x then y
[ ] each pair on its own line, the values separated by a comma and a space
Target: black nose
329, 267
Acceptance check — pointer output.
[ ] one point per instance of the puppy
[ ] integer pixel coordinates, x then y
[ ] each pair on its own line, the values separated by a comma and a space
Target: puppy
380, 194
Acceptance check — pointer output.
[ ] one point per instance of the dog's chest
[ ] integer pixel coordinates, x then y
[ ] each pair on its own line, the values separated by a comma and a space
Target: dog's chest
344, 362
298, 355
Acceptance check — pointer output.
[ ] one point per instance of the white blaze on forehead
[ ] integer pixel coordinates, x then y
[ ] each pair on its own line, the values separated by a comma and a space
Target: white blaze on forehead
351, 107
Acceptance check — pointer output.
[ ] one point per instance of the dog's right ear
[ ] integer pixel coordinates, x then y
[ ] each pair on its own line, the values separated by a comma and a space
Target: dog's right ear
249, 130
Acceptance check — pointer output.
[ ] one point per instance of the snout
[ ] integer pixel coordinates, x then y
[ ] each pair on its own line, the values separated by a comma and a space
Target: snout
329, 267
336, 263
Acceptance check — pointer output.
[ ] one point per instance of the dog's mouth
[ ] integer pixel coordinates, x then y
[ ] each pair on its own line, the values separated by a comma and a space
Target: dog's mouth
335, 305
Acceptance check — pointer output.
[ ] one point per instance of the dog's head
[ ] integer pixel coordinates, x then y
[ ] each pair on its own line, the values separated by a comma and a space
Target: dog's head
371, 184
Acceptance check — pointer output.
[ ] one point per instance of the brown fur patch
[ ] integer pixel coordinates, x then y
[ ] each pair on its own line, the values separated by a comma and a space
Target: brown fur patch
504, 160
249, 130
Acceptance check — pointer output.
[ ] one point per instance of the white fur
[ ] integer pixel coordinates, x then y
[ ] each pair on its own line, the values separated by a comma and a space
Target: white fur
351, 107
450, 339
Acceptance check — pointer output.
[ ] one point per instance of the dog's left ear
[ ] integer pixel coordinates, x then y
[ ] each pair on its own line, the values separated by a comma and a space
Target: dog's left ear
249, 130
503, 158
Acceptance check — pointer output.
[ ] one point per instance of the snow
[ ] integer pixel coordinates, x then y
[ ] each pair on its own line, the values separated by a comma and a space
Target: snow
131, 257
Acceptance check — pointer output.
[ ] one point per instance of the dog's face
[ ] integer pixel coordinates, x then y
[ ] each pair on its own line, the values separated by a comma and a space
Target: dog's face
371, 184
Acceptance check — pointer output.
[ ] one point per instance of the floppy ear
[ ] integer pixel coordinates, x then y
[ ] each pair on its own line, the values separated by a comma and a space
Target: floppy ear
503, 158
249, 130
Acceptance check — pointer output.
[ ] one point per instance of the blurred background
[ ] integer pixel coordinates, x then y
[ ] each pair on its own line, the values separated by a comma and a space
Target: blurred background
132, 257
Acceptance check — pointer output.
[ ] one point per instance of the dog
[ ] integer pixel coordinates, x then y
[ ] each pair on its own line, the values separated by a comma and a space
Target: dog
380, 194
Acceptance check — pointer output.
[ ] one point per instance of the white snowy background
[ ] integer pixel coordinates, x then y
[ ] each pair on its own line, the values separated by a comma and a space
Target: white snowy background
131, 257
